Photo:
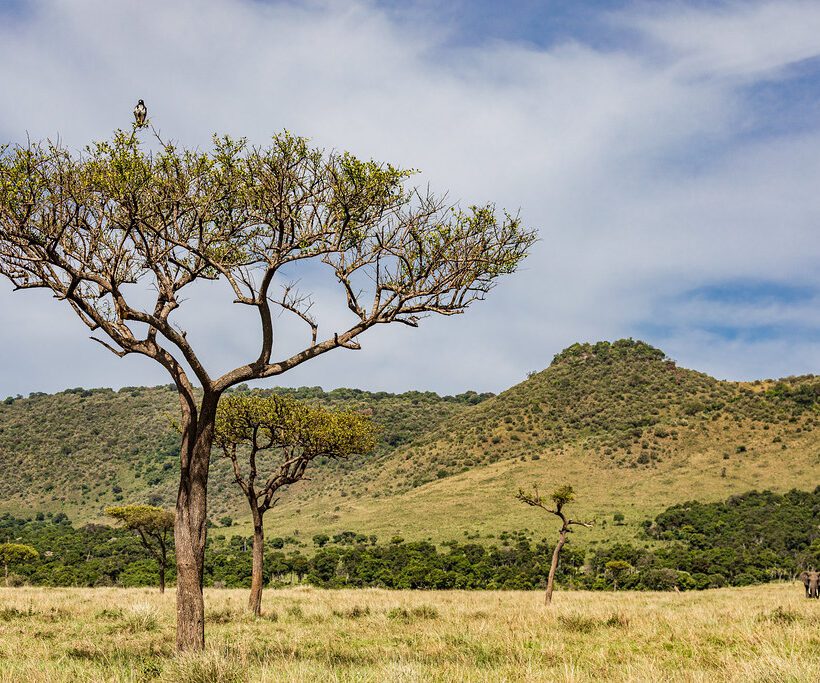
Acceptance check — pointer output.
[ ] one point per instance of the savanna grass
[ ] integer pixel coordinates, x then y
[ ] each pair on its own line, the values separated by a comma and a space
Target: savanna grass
757, 634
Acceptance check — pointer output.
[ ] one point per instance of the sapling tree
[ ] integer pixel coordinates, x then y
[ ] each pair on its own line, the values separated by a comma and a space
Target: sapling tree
123, 235
271, 441
14, 554
561, 497
155, 528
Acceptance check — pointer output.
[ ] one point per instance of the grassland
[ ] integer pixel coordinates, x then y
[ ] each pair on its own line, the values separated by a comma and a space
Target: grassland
763, 634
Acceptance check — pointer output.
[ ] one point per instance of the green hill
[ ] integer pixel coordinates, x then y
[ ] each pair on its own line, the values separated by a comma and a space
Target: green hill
83, 449
629, 429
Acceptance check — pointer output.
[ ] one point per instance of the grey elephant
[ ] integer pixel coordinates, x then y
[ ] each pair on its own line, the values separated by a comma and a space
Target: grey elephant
811, 580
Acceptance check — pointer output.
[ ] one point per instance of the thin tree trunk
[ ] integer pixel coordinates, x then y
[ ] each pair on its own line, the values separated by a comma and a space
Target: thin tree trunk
257, 573
190, 524
162, 560
554, 566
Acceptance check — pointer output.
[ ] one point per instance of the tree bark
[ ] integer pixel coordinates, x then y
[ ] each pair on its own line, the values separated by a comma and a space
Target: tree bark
257, 572
554, 566
190, 524
162, 578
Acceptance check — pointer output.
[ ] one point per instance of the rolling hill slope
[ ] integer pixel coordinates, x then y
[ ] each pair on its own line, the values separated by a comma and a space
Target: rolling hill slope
83, 449
629, 429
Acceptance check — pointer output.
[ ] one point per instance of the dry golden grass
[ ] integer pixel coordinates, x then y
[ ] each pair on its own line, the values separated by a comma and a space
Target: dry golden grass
758, 634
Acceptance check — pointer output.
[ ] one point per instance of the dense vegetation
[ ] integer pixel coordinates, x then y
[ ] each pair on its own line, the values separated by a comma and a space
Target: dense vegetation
751, 538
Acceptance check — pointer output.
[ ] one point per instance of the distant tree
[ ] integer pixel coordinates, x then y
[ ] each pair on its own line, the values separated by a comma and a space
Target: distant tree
270, 442
12, 554
103, 227
155, 528
560, 497
617, 570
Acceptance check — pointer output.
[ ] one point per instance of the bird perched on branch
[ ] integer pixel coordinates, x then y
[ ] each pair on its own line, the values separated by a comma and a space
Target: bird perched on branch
140, 113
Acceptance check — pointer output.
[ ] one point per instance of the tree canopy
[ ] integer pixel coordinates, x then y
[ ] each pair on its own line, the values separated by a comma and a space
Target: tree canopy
147, 518
15, 553
88, 225
301, 431
154, 526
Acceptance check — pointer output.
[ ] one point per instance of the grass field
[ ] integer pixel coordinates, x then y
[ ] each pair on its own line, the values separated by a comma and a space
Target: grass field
757, 634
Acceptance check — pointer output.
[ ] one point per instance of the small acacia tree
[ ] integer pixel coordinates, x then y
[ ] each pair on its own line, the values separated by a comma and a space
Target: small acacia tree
104, 228
155, 528
617, 571
12, 554
291, 434
562, 496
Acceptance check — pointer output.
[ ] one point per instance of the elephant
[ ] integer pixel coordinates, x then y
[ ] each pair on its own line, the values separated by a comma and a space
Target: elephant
811, 580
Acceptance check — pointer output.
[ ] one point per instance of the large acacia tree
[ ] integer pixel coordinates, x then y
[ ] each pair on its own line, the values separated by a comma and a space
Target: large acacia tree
105, 228
270, 442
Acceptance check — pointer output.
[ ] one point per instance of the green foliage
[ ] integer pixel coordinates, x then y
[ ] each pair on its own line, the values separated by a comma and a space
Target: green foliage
145, 518
283, 422
747, 539
155, 528
15, 554
563, 495
521, 566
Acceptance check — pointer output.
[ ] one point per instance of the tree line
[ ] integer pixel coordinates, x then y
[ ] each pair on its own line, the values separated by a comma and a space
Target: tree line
751, 538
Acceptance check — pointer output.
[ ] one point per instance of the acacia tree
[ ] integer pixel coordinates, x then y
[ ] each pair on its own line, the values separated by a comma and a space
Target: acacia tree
618, 570
104, 228
15, 553
154, 526
562, 496
292, 434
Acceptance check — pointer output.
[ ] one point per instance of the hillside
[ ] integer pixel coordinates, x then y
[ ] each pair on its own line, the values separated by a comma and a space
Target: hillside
629, 429
623, 403
83, 449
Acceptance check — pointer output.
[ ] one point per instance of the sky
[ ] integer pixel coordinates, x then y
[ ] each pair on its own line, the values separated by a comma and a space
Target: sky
668, 153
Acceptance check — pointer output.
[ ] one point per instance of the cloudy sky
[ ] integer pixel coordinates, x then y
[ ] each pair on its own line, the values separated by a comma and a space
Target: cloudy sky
668, 153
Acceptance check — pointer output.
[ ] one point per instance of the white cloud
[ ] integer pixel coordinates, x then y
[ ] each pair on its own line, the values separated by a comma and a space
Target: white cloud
737, 39
632, 168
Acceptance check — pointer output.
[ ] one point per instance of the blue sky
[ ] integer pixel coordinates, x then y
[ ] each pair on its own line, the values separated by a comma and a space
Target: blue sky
668, 153
539, 24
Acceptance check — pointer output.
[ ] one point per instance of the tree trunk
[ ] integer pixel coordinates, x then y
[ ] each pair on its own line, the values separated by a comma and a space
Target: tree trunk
554, 566
190, 523
257, 573
162, 578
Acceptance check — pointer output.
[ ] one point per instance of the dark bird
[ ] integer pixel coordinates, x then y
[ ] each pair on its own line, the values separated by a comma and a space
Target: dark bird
140, 112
